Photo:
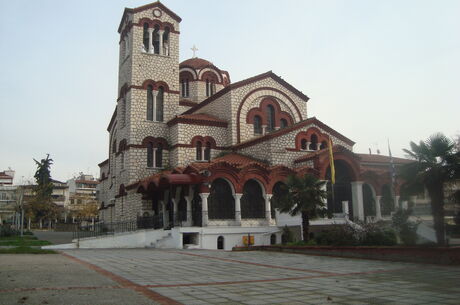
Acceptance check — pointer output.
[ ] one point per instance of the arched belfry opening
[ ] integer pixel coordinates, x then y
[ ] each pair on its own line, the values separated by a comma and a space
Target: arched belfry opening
342, 187
252, 202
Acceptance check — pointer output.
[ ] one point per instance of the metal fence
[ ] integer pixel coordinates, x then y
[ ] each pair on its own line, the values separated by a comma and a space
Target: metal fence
100, 229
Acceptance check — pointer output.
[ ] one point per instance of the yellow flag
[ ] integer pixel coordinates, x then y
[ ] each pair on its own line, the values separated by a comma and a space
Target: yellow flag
331, 162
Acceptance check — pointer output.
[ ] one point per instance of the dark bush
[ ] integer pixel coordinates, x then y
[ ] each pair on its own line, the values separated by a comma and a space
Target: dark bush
337, 236
7, 230
379, 238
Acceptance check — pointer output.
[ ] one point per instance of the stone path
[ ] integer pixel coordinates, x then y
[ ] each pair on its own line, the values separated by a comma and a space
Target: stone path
218, 277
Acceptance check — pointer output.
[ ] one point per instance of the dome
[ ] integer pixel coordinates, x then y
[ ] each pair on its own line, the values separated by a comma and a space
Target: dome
196, 63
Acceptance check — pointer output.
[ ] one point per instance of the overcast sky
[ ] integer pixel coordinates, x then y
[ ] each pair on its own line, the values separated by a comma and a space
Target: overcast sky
372, 69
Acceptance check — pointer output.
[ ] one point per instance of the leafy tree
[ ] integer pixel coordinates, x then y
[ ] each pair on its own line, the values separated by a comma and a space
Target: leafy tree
436, 161
302, 195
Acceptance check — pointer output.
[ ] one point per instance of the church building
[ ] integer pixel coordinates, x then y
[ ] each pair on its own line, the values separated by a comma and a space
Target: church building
198, 157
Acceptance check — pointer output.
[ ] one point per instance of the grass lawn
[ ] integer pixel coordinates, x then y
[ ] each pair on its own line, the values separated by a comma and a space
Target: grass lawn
25, 241
25, 250
28, 244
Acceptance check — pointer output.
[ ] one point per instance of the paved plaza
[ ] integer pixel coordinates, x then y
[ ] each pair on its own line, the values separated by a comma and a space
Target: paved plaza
218, 277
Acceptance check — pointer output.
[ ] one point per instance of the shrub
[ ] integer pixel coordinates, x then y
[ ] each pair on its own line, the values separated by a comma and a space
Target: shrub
287, 236
383, 237
7, 230
338, 236
406, 229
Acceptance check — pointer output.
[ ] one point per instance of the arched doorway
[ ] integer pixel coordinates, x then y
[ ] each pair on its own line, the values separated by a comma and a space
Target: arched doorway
273, 239
220, 243
253, 201
368, 200
342, 187
221, 203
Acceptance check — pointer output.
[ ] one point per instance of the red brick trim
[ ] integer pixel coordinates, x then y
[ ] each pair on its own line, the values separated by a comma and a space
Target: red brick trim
146, 7
238, 114
244, 83
126, 283
264, 115
199, 122
153, 140
187, 103
286, 130
191, 146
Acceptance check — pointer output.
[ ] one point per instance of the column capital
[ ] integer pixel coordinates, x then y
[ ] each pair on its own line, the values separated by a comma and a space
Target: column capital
237, 196
268, 196
357, 183
150, 30
204, 195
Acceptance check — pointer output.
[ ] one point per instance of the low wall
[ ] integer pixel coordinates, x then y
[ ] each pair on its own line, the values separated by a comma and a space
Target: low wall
444, 255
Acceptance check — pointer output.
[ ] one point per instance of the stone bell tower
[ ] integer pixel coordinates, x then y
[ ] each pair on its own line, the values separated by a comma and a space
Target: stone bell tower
148, 84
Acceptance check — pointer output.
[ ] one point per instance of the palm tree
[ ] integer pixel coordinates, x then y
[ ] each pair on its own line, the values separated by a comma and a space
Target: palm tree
304, 195
436, 162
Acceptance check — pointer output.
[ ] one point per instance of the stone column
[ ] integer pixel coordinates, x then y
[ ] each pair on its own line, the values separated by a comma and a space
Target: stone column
175, 212
238, 208
150, 50
160, 34
405, 205
357, 200
204, 208
324, 188
318, 146
154, 108
308, 146
345, 208
396, 202
189, 210
378, 210
264, 129
163, 211
268, 213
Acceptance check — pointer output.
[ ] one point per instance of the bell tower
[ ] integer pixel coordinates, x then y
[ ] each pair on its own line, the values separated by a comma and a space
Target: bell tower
148, 84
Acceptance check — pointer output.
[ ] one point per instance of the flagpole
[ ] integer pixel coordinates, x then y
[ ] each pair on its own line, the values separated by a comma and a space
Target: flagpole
332, 167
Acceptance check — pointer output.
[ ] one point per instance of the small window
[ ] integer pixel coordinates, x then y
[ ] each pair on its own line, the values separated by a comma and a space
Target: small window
303, 144
146, 37
271, 118
150, 154
207, 151
283, 123
159, 105
199, 151
208, 91
314, 142
257, 125
159, 155
150, 103
273, 239
220, 242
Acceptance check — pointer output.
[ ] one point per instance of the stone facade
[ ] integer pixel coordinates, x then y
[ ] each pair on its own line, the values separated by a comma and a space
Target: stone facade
210, 111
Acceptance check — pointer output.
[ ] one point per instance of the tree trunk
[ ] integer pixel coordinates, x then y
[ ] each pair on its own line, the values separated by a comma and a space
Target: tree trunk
28, 225
305, 226
437, 208
41, 224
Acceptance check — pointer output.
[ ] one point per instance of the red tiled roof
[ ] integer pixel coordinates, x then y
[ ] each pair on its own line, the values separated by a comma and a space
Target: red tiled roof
196, 63
236, 160
198, 118
366, 158
246, 82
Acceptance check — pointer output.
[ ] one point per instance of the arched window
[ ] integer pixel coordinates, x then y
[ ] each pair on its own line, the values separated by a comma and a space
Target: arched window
252, 202
146, 37
257, 125
159, 155
156, 40
199, 150
150, 103
283, 123
303, 144
313, 142
323, 145
220, 243
271, 118
122, 160
273, 239
166, 42
221, 203
149, 154
159, 105
184, 87
208, 89
207, 151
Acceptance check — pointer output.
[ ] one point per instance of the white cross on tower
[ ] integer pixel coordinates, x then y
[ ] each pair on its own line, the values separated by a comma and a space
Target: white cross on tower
194, 49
